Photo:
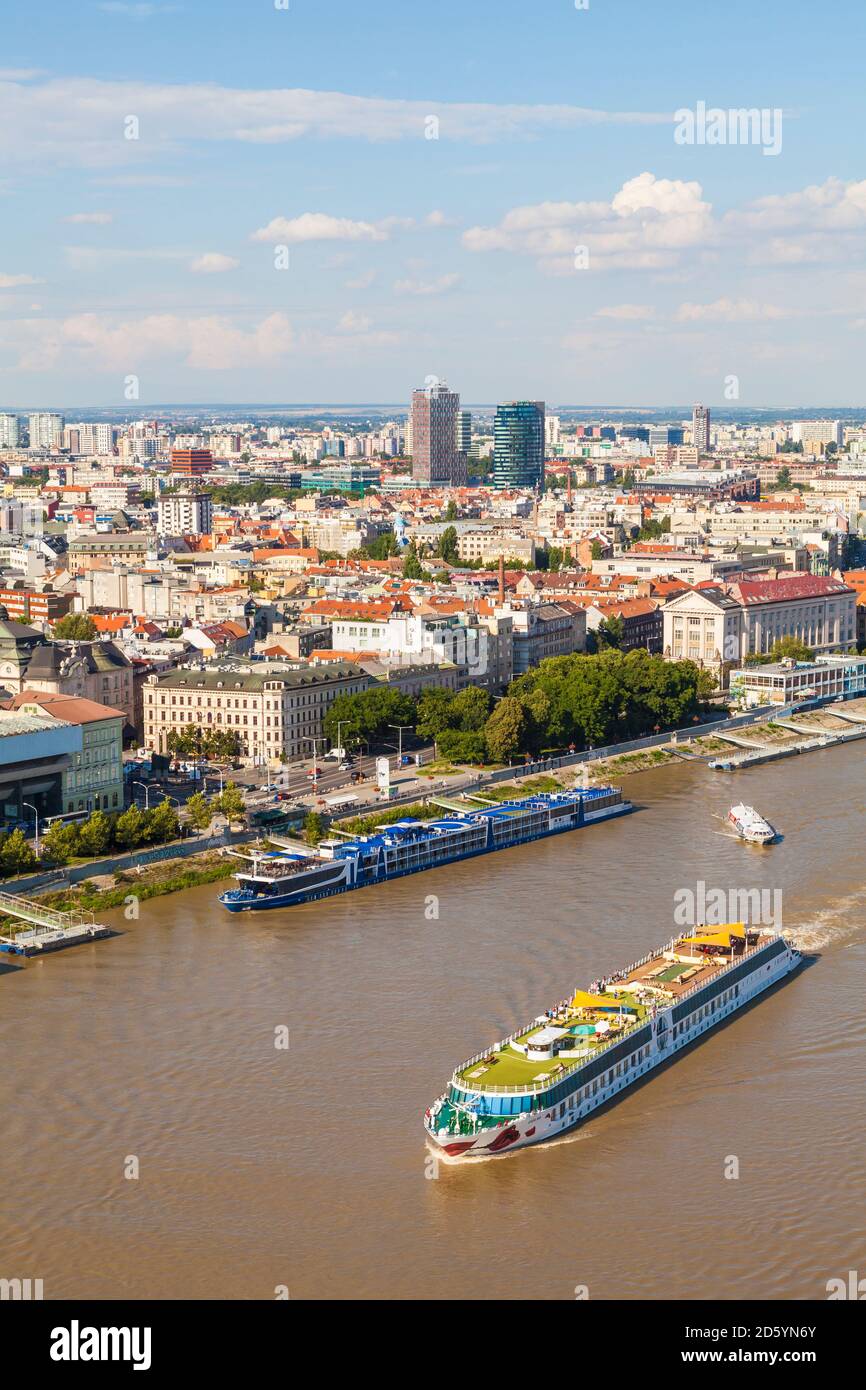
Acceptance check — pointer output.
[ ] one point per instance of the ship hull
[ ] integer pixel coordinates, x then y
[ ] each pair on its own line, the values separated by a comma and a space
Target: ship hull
263, 902
537, 1127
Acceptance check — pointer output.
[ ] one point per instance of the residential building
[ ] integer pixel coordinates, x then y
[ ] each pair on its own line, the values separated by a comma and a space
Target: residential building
22, 603
187, 513
436, 459
45, 430
87, 552
701, 428
546, 629
11, 433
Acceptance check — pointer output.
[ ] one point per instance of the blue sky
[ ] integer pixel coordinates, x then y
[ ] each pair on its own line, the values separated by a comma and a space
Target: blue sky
553, 241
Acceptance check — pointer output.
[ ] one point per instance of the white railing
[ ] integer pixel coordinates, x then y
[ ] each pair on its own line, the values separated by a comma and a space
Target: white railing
541, 1086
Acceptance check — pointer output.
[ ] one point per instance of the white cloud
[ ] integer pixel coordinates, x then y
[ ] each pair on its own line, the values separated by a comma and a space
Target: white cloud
628, 312
319, 226
437, 218
443, 285
213, 263
362, 282
132, 10
729, 311
80, 120
10, 282
354, 323
97, 219
647, 225
208, 342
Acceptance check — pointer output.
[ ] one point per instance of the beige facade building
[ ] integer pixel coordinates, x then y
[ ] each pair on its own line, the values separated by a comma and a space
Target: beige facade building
275, 709
716, 626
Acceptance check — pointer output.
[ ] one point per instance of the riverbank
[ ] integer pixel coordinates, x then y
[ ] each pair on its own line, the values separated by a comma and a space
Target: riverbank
106, 891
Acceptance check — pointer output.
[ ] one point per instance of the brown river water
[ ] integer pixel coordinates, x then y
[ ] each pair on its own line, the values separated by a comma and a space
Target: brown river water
306, 1167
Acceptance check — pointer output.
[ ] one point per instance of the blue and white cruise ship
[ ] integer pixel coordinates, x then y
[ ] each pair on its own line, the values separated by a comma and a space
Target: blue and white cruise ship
284, 878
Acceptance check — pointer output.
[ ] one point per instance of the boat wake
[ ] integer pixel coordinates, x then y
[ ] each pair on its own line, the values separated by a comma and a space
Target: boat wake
836, 923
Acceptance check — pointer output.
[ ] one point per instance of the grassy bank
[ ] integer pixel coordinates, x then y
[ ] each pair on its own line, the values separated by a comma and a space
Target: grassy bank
154, 881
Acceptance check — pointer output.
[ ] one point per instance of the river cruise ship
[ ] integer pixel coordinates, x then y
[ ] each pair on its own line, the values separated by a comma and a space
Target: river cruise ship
472, 826
550, 1076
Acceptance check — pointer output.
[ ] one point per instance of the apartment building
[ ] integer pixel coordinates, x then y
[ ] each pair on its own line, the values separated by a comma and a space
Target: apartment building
275, 708
479, 646
546, 629
27, 605
86, 552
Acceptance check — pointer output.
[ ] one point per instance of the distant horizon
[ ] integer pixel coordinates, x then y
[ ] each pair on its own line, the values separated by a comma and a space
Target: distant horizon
148, 409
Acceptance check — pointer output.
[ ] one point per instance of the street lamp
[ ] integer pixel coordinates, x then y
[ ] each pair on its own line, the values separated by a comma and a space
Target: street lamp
340, 723
400, 728
32, 808
146, 793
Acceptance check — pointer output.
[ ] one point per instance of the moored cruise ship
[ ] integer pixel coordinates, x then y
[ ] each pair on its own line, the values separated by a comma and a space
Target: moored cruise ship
475, 825
550, 1076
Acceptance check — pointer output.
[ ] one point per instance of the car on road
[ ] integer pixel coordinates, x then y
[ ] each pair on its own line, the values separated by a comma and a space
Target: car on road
314, 772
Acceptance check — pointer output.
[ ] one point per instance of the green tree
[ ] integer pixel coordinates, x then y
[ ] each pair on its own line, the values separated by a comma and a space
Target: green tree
610, 633
412, 567
94, 836
793, 648
783, 478
434, 712
199, 812
161, 823
451, 511
470, 708
447, 548
369, 713
16, 854
505, 729
463, 746
78, 627
314, 827
130, 828
230, 802
60, 843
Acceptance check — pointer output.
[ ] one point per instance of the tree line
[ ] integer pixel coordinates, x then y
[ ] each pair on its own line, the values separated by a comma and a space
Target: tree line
579, 701
102, 833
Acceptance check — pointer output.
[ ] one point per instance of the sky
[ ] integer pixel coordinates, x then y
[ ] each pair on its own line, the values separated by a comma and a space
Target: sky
293, 201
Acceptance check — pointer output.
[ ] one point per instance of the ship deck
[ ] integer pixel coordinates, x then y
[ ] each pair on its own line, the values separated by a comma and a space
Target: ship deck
659, 981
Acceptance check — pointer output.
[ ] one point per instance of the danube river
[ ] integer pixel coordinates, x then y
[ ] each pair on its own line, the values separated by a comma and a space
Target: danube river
262, 1167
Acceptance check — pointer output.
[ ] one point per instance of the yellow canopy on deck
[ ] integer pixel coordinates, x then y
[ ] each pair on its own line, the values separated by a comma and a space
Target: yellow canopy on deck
593, 1001
722, 937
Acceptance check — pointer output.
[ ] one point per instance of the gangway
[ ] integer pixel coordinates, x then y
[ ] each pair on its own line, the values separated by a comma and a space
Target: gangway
50, 929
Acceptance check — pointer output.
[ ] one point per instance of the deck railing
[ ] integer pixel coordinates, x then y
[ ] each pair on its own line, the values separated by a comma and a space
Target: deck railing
542, 1086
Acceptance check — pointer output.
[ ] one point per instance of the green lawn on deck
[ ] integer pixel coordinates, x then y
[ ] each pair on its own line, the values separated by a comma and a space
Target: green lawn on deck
511, 1069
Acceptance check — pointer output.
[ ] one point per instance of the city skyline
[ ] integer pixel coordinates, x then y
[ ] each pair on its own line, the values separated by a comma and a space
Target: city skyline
218, 204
